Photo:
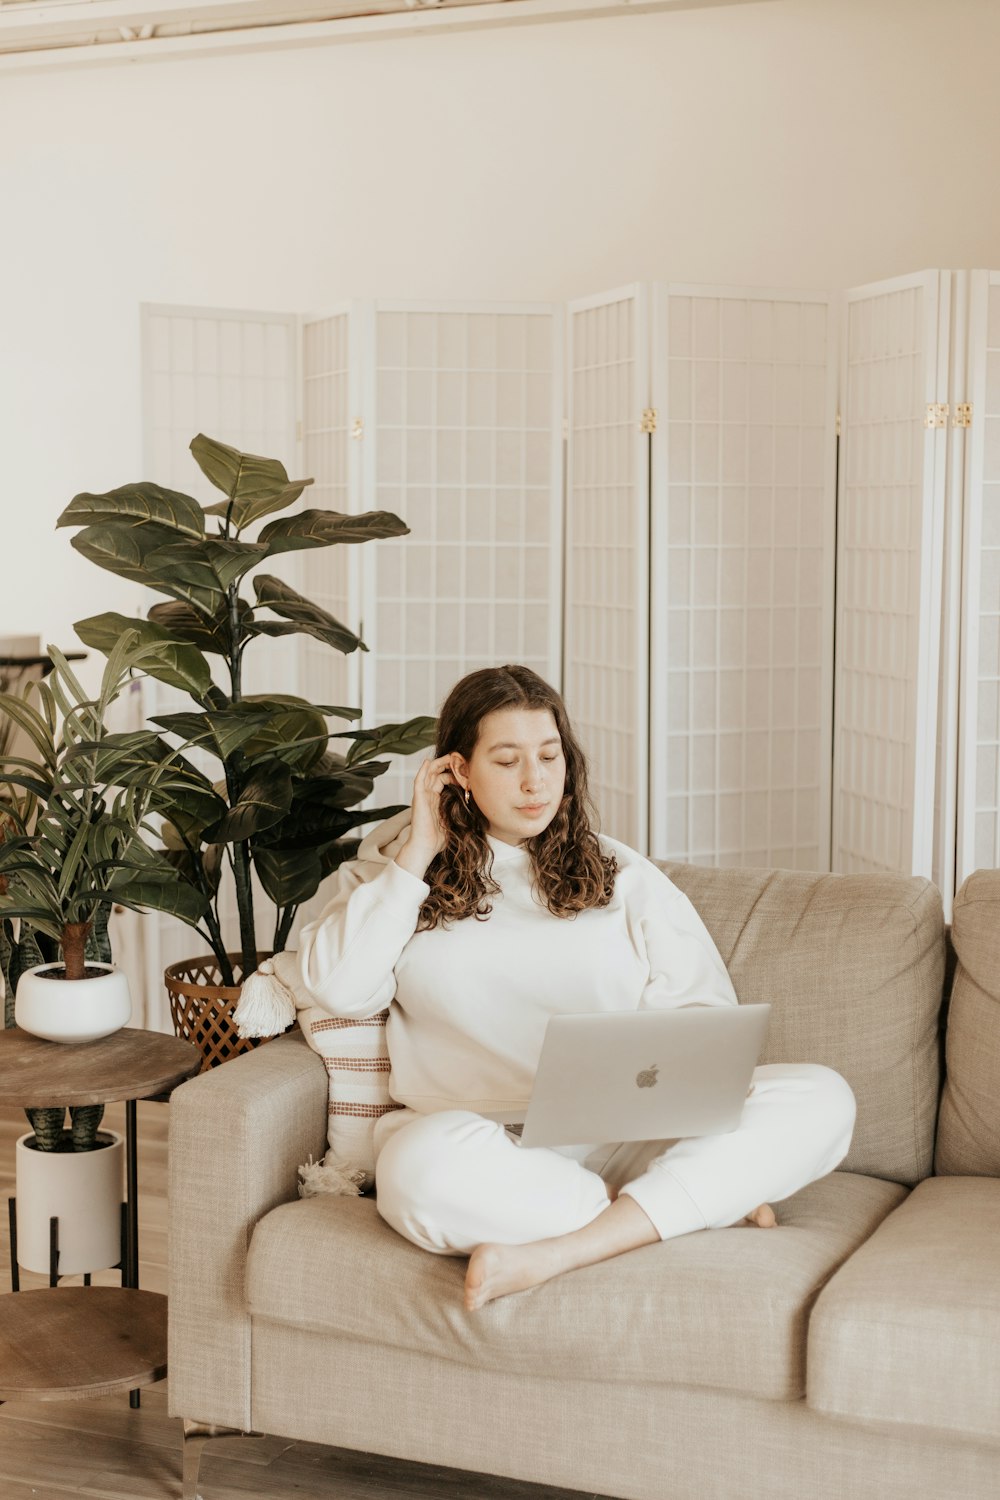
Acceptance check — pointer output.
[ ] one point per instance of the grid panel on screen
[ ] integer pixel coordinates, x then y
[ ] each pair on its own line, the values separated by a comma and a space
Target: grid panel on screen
606, 551
743, 581
326, 435
986, 672
465, 407
879, 573
233, 377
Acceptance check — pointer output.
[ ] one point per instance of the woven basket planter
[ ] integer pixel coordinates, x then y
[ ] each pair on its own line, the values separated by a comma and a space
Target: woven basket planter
202, 1009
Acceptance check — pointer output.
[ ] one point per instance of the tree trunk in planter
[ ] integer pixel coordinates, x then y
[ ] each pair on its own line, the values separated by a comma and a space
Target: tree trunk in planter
202, 1009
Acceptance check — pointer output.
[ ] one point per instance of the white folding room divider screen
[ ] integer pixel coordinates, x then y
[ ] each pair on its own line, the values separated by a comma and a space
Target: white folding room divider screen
461, 437
744, 456
894, 371
606, 654
693, 634
450, 418
979, 777
234, 376
332, 459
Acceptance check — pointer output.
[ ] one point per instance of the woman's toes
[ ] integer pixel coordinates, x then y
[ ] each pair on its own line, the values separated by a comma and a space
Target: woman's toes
762, 1217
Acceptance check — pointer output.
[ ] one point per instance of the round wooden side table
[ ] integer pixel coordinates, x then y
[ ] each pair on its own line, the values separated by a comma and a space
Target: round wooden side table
65, 1342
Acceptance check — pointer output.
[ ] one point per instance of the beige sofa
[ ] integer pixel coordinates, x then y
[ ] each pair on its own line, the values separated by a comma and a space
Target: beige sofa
852, 1352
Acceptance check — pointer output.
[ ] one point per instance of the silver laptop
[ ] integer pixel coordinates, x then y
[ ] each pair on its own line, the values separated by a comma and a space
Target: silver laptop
648, 1075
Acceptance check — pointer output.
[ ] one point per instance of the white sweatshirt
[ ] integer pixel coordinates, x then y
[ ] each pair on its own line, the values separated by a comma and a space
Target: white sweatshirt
468, 1004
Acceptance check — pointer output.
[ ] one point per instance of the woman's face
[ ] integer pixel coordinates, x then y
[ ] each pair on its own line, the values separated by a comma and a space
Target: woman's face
517, 772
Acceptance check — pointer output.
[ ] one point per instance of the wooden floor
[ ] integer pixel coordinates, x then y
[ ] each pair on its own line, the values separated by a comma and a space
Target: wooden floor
104, 1450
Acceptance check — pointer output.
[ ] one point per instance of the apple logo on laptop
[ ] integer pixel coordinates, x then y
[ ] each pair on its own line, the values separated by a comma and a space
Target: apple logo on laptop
647, 1077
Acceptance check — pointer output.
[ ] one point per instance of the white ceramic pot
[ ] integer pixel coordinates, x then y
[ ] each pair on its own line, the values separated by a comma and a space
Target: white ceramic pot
72, 1010
83, 1190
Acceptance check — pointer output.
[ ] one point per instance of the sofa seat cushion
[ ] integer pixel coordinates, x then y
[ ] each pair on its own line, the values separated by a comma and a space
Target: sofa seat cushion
725, 1307
908, 1331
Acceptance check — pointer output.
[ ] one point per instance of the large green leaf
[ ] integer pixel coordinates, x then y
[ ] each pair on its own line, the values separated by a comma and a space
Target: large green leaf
123, 546
389, 739
334, 855
176, 662
141, 502
206, 862
183, 570
232, 559
307, 618
187, 624
350, 785
254, 486
296, 732
264, 798
249, 511
322, 528
311, 824
289, 876
212, 564
224, 731
192, 809
144, 889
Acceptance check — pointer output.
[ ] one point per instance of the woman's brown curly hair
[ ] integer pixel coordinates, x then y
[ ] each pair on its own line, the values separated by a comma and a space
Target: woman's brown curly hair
571, 873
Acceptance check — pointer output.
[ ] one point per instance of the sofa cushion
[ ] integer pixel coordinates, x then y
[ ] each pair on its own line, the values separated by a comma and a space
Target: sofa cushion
908, 1331
853, 966
722, 1307
969, 1127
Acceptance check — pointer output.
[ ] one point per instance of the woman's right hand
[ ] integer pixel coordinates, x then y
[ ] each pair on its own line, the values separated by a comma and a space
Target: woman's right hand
427, 831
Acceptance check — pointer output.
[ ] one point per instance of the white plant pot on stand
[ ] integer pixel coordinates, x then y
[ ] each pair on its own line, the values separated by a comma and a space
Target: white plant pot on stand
72, 1010
83, 1190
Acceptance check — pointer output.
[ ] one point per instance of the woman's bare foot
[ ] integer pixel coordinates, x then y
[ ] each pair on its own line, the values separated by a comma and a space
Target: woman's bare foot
496, 1270
762, 1216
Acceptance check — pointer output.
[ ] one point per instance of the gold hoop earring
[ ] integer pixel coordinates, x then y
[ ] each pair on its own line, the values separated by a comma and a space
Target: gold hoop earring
466, 796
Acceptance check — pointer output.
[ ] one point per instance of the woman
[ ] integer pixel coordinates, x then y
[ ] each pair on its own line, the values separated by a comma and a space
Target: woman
488, 908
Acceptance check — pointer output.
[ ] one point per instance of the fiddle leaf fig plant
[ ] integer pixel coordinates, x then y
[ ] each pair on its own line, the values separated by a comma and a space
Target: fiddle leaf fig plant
284, 805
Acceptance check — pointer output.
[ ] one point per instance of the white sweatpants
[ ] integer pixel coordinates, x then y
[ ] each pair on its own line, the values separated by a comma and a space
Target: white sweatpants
454, 1180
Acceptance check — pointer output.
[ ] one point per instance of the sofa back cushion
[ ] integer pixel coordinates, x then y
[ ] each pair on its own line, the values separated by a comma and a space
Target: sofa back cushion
853, 967
969, 1128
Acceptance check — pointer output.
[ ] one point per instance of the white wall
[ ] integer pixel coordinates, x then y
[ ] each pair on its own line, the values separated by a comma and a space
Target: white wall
793, 143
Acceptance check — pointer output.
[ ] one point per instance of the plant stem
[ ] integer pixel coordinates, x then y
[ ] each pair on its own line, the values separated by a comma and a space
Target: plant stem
284, 926
74, 944
216, 941
241, 849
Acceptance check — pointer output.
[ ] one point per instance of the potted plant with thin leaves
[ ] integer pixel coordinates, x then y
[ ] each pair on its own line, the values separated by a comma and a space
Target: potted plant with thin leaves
74, 825
283, 805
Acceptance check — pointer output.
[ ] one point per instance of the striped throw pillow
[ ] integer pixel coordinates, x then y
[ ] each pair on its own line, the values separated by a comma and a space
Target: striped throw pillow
357, 1065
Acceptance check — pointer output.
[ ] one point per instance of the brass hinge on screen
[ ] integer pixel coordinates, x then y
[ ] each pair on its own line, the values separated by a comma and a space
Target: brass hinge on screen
357, 428
838, 424
648, 423
963, 414
937, 414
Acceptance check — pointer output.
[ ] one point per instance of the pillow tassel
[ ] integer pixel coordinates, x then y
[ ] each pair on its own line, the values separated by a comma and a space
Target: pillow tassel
327, 1177
266, 1007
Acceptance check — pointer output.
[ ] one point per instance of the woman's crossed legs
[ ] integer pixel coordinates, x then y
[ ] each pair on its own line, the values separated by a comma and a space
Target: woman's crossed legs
456, 1183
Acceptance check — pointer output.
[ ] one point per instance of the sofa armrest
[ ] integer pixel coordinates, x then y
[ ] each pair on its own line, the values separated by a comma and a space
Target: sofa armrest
237, 1135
